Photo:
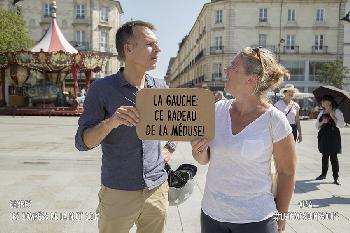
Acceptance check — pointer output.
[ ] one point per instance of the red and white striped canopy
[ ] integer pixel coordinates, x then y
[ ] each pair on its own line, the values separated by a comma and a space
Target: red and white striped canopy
54, 40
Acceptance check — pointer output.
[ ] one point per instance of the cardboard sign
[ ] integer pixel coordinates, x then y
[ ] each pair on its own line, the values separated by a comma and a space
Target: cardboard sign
175, 114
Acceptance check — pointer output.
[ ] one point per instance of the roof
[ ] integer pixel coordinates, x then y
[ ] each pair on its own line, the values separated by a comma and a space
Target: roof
54, 40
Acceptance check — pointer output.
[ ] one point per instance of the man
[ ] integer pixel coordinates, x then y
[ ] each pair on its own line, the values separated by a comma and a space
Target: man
134, 186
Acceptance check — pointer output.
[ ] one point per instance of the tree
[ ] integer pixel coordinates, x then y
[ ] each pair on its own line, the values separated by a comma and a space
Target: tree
13, 35
332, 73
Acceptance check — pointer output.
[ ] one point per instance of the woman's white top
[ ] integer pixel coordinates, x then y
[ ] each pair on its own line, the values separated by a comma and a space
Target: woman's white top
283, 107
238, 184
338, 114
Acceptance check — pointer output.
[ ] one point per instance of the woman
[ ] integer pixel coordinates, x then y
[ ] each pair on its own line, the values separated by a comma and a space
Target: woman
329, 140
290, 109
237, 196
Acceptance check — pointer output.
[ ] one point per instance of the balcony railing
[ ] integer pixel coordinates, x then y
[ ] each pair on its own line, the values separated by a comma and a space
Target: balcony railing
198, 80
80, 16
319, 49
81, 45
291, 49
216, 49
199, 55
45, 20
106, 49
216, 76
272, 48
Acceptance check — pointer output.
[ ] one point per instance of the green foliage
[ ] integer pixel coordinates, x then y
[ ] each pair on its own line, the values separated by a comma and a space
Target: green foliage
332, 73
13, 35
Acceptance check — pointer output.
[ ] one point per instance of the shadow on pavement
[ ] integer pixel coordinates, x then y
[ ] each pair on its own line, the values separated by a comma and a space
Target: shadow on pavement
325, 202
305, 186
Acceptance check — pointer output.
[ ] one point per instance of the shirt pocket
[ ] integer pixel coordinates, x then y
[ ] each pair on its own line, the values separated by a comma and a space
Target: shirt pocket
252, 149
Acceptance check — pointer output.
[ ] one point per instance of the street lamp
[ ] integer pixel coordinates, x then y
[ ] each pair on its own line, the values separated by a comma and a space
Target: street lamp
279, 60
279, 49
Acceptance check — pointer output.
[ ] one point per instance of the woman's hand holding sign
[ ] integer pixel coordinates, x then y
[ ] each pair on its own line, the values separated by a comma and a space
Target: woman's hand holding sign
200, 150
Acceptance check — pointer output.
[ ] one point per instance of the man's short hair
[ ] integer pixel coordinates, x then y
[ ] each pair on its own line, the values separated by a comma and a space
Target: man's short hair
125, 33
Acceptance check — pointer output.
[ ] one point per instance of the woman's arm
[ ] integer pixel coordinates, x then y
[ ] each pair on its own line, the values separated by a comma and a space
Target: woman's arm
338, 118
285, 160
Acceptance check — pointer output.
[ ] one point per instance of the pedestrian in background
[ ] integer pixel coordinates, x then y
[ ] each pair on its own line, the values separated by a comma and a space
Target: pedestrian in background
329, 140
248, 130
219, 95
291, 110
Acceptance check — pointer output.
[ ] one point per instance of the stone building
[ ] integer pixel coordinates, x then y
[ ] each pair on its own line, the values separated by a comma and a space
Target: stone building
302, 34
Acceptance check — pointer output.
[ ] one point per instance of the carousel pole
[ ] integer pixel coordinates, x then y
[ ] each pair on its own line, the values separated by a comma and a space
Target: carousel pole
3, 88
88, 75
75, 70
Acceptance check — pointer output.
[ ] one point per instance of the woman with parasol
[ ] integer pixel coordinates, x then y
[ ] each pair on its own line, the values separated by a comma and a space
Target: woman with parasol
329, 141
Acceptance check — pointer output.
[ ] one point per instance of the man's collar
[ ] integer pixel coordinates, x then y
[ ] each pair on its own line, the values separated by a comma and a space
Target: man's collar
120, 78
121, 81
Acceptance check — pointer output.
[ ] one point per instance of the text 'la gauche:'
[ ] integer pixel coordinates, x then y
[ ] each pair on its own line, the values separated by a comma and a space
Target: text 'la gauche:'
176, 100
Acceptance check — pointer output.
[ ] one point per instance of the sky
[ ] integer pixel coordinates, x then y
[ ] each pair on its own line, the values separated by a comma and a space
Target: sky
173, 19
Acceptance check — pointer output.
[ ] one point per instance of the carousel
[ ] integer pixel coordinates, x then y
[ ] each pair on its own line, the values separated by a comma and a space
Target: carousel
33, 82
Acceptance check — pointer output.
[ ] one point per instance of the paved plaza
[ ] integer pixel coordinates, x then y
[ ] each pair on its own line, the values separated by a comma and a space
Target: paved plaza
58, 185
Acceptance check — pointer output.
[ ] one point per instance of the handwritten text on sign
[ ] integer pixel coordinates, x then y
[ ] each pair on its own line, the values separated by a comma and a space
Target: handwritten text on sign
175, 114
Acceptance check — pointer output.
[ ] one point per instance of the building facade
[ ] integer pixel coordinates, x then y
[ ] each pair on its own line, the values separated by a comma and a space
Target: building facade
303, 34
347, 46
87, 25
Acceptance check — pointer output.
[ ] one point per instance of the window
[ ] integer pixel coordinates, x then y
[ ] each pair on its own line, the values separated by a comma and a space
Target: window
104, 14
80, 39
314, 68
318, 42
218, 18
80, 11
320, 15
80, 36
262, 40
217, 74
47, 12
291, 15
290, 42
296, 69
218, 42
103, 42
263, 15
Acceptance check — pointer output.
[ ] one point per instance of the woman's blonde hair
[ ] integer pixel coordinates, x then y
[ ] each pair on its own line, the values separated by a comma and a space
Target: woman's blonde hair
263, 63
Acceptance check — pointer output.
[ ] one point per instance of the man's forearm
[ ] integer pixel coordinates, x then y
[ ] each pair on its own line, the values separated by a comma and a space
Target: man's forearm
92, 137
